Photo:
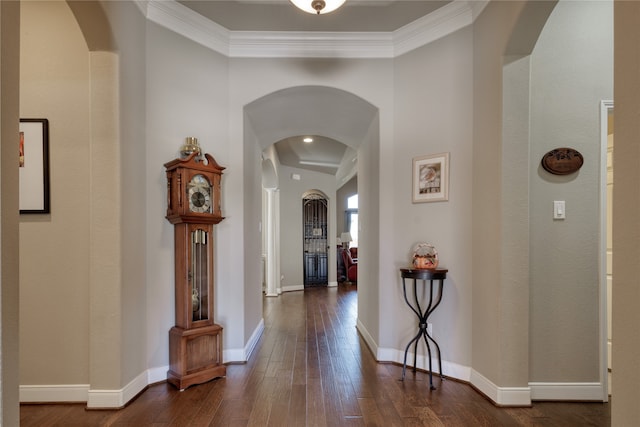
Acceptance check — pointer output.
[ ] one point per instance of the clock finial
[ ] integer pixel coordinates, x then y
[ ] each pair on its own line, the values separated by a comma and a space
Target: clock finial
189, 147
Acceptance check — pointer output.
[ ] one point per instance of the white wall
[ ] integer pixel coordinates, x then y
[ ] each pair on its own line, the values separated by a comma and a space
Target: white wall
129, 33
433, 114
291, 237
374, 311
186, 91
571, 72
503, 30
252, 257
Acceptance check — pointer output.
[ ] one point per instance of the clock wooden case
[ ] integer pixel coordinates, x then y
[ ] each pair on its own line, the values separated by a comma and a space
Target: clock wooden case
195, 342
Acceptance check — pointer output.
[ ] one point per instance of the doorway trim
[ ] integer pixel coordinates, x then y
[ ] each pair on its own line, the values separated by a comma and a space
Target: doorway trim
606, 107
319, 242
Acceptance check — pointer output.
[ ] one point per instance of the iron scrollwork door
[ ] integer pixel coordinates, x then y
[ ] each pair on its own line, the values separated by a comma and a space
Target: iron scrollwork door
315, 240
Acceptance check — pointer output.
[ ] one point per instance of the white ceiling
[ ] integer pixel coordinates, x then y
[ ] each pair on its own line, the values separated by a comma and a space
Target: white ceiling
322, 154
281, 15
367, 16
334, 118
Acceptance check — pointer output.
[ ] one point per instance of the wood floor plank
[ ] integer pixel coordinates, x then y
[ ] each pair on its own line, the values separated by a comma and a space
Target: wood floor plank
280, 401
370, 413
312, 368
232, 412
316, 415
297, 413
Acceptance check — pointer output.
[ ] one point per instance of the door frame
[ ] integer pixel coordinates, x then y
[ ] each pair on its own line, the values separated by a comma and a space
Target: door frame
605, 108
315, 195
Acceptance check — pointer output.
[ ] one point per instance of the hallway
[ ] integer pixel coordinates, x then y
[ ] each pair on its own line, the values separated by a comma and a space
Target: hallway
311, 368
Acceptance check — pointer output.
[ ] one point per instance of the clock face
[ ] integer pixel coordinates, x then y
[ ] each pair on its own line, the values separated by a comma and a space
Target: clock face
199, 194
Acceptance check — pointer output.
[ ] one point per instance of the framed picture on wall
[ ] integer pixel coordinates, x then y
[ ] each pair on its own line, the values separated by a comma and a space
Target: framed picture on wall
431, 178
34, 166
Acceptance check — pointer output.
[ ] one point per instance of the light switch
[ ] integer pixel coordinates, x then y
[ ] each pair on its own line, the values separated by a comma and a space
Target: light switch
559, 211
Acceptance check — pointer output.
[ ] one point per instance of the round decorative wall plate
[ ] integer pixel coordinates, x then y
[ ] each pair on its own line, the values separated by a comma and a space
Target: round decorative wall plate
425, 256
562, 161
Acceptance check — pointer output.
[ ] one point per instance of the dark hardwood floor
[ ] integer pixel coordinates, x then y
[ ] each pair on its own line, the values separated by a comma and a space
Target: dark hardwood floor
311, 368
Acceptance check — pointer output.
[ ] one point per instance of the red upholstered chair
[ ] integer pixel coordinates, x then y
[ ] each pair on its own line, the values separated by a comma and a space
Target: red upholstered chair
350, 266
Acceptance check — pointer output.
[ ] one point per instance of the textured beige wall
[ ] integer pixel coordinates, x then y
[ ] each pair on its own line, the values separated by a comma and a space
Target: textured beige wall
121, 89
54, 248
625, 410
9, 263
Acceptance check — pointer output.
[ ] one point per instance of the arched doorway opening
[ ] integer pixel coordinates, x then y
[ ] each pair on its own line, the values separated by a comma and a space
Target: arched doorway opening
315, 222
329, 113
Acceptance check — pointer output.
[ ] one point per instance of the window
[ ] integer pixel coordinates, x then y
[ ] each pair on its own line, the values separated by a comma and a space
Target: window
352, 202
351, 219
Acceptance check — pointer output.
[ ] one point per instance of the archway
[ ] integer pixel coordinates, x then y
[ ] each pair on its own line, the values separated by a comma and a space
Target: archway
332, 113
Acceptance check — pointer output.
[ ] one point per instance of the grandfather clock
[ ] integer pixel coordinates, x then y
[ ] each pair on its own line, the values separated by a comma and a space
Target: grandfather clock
195, 342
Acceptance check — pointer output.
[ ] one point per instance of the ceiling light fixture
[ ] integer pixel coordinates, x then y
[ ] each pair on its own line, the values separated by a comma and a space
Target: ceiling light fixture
318, 7
308, 140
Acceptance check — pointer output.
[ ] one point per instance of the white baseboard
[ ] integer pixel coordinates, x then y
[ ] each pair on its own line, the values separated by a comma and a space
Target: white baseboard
241, 355
54, 393
508, 396
504, 396
449, 369
253, 340
113, 399
371, 343
293, 288
95, 399
568, 391
103, 399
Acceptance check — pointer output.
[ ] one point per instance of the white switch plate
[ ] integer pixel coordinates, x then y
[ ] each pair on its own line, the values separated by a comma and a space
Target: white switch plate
559, 211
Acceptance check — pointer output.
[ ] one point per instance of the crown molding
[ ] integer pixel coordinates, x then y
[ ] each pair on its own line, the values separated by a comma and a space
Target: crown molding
182, 20
311, 44
444, 21
142, 5
477, 7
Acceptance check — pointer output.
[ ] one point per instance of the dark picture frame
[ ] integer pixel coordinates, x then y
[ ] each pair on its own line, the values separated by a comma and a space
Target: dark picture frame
34, 166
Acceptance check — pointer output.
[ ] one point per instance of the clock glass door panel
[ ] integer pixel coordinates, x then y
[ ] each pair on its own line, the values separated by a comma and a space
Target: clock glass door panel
200, 274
